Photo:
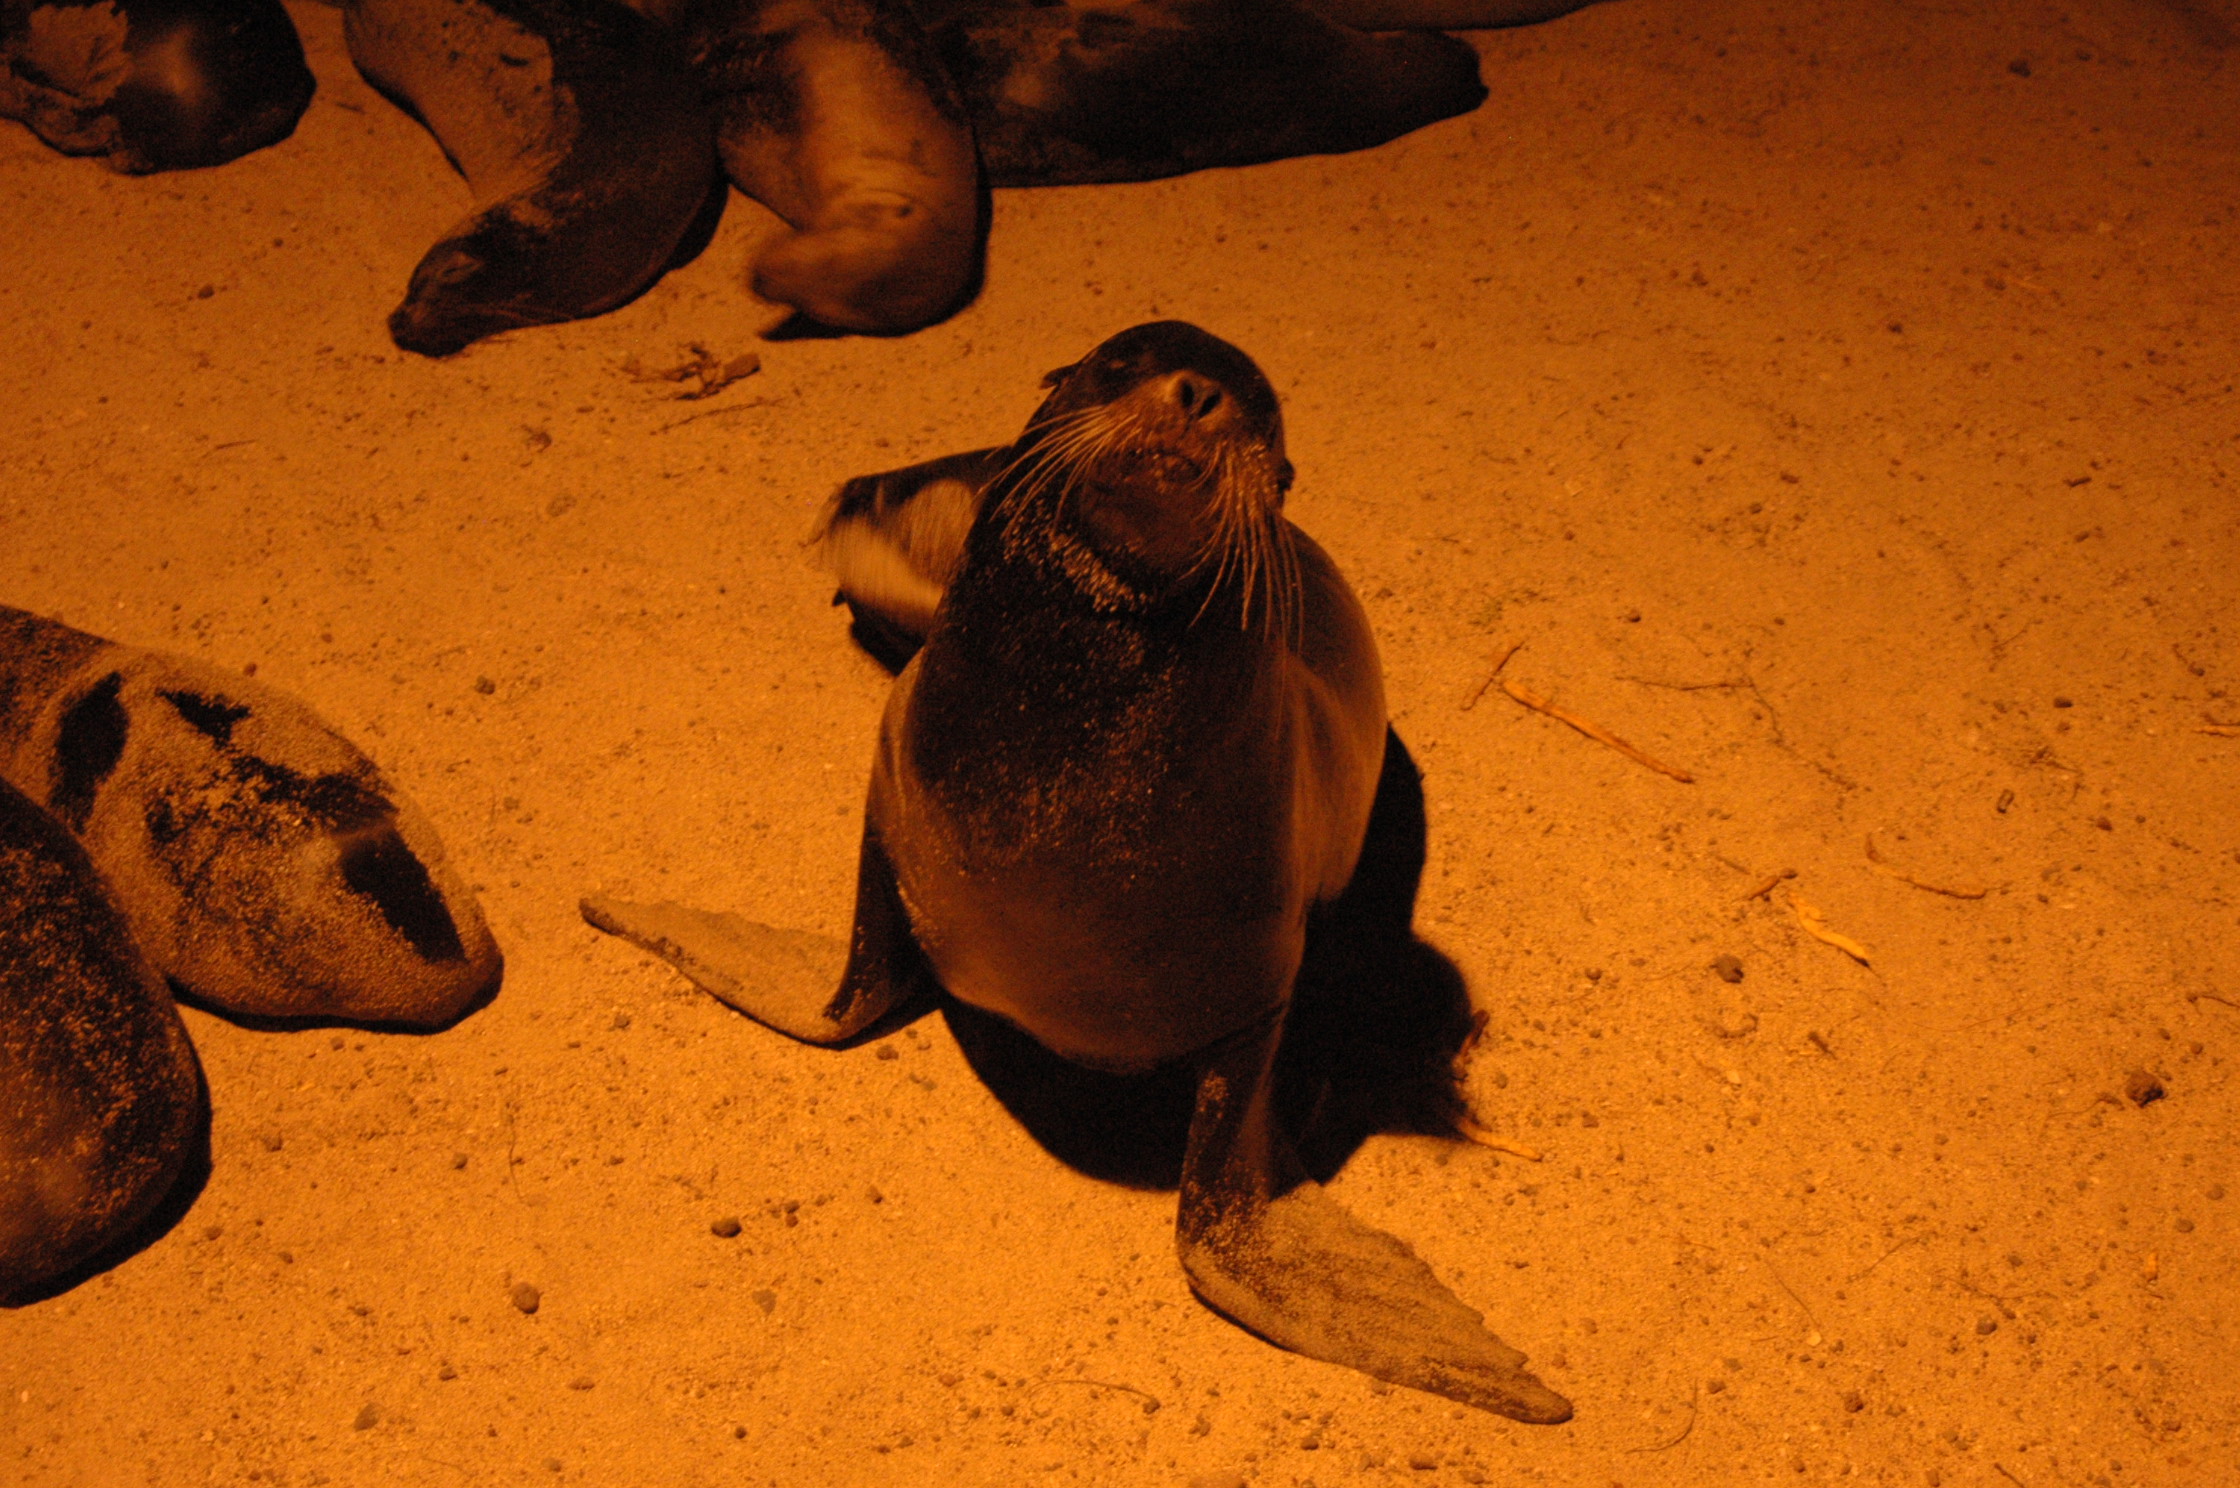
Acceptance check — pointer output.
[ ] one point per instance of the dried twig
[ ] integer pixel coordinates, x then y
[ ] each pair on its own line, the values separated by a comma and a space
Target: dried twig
1592, 730
1874, 858
1695, 1400
1483, 1137
2221, 730
1472, 700
1769, 885
713, 372
1816, 926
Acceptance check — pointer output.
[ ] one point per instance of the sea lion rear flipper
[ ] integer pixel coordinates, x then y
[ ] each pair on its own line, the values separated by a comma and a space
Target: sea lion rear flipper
1266, 1247
784, 978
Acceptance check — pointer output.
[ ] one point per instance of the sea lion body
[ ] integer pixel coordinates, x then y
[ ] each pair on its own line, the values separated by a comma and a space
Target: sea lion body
585, 143
100, 1099
1120, 859
153, 85
261, 860
1138, 748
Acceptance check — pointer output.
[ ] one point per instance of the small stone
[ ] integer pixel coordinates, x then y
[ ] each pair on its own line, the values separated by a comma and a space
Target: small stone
527, 1298
2216, 1190
1422, 1461
1987, 1326
738, 1433
369, 1416
1728, 968
2185, 1226
1311, 1442
272, 1142
726, 1228
212, 1232
621, 1022
886, 1051
447, 1373
552, 1464
458, 1162
1854, 1402
874, 1195
1218, 1480
767, 1300
1715, 1386
2062, 702
485, 686
2143, 1088
582, 1382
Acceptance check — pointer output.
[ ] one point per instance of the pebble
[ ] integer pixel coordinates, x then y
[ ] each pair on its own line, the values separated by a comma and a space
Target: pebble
1422, 1461
447, 1373
1728, 968
767, 1300
2143, 1088
726, 1228
369, 1416
582, 1382
526, 1297
1218, 1480
273, 1142
458, 1161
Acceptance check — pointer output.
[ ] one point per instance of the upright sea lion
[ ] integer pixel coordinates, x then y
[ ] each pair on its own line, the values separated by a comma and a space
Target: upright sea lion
261, 860
1136, 751
100, 1099
153, 85
589, 153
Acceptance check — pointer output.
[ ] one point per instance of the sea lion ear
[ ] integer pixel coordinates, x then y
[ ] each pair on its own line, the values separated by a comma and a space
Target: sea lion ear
1057, 375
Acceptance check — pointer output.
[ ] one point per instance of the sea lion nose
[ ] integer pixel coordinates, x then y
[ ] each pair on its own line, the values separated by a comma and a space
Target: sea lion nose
1198, 398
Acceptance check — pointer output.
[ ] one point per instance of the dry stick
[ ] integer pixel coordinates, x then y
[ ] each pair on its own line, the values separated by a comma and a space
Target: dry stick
2221, 730
1593, 731
1694, 1404
1816, 925
2010, 1477
1484, 1137
1874, 859
1810, 1316
1472, 700
1769, 885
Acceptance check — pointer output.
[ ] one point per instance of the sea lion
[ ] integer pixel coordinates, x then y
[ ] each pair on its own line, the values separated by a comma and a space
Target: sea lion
153, 85
1137, 749
590, 155
100, 1098
837, 116
261, 860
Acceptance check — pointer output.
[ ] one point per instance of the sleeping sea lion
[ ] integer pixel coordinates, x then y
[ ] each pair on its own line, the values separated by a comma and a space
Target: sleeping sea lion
1137, 749
100, 1099
589, 153
837, 116
262, 862
153, 85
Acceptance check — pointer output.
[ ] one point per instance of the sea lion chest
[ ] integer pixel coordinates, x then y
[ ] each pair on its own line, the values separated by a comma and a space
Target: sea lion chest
1111, 834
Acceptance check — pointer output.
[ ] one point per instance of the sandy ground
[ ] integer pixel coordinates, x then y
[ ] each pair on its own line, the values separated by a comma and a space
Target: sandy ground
1830, 403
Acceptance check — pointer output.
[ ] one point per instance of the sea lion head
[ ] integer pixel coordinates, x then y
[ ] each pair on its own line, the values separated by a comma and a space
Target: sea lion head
1155, 472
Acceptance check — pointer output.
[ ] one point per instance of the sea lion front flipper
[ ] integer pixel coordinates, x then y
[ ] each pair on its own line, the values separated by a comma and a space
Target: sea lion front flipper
1268, 1248
838, 116
893, 541
785, 978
